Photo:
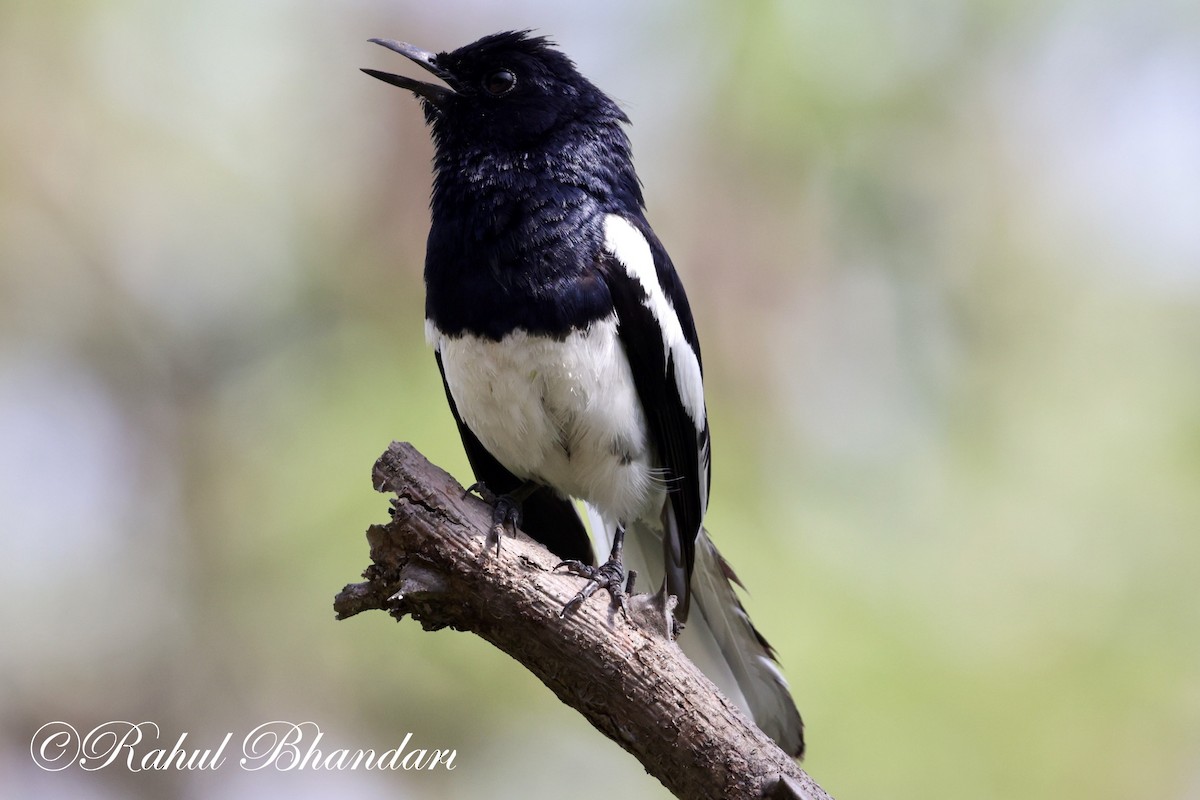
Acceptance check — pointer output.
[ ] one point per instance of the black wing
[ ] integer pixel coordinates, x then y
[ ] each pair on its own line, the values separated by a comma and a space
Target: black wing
668, 376
546, 516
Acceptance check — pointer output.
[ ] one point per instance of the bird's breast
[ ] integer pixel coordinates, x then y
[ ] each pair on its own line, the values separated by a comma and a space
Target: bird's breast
562, 411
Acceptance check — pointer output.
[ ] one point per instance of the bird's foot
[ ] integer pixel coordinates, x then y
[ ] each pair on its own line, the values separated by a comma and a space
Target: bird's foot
609, 576
506, 510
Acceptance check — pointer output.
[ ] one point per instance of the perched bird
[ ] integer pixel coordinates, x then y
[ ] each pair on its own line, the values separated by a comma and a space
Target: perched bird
566, 344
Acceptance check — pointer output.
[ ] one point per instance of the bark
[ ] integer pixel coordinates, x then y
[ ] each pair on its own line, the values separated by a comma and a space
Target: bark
436, 562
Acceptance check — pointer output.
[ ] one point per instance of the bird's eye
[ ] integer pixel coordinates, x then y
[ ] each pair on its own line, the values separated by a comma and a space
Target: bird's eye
500, 82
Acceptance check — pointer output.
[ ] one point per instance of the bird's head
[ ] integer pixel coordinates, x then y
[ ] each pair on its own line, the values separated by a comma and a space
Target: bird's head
511, 89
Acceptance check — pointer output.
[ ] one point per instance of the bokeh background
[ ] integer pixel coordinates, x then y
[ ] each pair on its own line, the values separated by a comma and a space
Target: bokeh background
945, 260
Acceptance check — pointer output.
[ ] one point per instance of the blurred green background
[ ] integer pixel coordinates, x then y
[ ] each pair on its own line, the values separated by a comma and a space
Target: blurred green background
945, 262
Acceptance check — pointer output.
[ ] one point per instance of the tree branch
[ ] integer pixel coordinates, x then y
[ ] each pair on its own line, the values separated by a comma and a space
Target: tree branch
434, 562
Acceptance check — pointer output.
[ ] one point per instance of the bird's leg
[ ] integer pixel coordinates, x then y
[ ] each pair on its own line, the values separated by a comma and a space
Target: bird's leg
506, 508
609, 576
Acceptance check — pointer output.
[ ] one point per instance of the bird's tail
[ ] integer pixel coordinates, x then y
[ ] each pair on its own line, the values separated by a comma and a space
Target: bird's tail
746, 654
720, 640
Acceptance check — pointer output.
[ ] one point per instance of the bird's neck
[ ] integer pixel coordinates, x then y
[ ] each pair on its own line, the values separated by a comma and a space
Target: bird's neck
513, 192
492, 185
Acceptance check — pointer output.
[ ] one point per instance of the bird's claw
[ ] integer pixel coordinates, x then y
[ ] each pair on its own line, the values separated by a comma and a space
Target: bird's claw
506, 512
609, 576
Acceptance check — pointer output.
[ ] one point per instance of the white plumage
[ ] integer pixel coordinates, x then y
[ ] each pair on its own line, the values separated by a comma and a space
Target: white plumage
563, 413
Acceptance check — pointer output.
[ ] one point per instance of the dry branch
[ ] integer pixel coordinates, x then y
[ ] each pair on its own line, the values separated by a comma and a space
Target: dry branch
434, 563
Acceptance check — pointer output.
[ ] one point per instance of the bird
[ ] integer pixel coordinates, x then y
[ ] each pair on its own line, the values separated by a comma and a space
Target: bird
567, 347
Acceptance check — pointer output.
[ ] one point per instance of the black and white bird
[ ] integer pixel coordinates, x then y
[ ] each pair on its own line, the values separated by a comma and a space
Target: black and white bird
567, 346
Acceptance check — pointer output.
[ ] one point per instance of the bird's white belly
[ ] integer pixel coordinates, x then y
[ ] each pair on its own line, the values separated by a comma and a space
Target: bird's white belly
564, 413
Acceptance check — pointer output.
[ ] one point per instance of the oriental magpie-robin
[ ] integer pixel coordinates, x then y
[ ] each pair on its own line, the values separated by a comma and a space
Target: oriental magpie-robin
566, 344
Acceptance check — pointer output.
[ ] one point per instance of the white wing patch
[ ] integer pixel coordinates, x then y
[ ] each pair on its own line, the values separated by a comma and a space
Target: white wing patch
630, 248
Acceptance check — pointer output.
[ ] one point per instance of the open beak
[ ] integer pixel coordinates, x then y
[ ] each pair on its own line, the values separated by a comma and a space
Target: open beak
434, 93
